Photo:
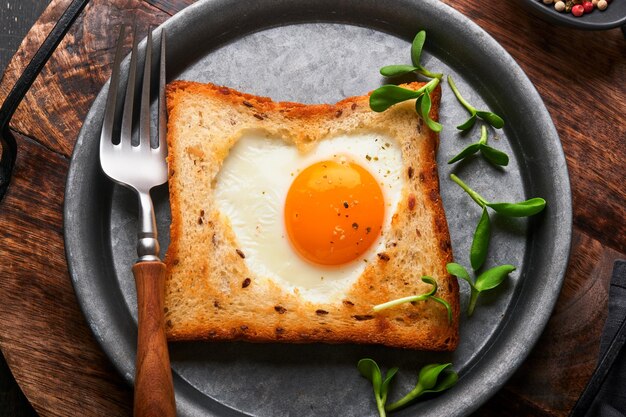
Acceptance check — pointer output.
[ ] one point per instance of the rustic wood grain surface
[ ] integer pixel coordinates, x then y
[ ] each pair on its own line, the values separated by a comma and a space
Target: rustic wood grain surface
46, 341
16, 19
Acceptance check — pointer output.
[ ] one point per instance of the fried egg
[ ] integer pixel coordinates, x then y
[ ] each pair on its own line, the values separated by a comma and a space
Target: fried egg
310, 221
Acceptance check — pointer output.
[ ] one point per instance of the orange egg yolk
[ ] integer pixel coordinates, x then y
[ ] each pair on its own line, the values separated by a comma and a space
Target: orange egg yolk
334, 212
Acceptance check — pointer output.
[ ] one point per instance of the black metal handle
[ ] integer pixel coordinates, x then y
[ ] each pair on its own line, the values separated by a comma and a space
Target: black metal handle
19, 90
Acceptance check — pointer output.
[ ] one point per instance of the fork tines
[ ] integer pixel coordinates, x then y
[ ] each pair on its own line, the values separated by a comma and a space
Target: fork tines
126, 108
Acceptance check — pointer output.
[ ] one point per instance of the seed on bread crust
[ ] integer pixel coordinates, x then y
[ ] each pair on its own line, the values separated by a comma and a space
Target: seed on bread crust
383, 256
411, 202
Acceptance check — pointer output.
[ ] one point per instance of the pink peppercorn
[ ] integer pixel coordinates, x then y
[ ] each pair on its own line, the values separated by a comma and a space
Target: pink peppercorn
588, 6
578, 10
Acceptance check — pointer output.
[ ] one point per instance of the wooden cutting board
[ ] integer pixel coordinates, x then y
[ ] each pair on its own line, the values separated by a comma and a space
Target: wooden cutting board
43, 335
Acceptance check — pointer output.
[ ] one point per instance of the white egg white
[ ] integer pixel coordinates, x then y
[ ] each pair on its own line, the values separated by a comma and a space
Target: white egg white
251, 189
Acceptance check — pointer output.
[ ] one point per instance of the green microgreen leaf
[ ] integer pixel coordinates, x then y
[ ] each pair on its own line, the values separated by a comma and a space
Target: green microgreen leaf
448, 380
480, 242
489, 117
370, 370
494, 156
416, 55
425, 104
384, 388
397, 70
470, 150
522, 209
416, 47
415, 298
459, 271
386, 96
485, 281
428, 374
468, 123
432, 379
493, 277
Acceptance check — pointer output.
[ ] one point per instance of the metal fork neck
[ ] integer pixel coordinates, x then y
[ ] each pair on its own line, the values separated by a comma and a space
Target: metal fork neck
147, 244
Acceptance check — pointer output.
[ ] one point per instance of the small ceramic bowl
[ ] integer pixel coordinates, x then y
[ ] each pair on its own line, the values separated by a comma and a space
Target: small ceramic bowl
614, 16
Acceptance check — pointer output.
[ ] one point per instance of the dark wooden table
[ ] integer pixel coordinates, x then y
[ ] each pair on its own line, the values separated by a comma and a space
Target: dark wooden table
15, 22
43, 335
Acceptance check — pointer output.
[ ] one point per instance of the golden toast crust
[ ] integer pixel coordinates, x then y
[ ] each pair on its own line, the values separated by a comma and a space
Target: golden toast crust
211, 294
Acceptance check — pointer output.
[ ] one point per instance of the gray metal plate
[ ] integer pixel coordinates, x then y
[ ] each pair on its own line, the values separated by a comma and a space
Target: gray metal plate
315, 52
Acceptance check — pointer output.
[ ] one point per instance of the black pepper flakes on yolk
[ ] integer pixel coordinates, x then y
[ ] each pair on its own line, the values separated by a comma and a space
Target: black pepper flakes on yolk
316, 200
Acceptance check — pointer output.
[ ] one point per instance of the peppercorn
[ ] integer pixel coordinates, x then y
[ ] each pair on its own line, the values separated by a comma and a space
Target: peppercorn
602, 5
568, 5
588, 6
578, 10
559, 6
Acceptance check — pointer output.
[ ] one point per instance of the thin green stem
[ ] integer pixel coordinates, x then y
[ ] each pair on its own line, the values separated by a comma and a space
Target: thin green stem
458, 95
483, 135
429, 74
475, 196
381, 407
472, 301
430, 86
399, 301
415, 392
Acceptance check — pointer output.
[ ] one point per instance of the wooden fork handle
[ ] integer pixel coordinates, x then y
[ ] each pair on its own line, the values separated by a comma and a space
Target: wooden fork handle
154, 392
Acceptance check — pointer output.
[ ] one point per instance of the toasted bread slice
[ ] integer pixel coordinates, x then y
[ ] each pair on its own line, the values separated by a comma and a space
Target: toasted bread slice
212, 293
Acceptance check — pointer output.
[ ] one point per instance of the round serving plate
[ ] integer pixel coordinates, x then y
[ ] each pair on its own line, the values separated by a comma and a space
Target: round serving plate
317, 51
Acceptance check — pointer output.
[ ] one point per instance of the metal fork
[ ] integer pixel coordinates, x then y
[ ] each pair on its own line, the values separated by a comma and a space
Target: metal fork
141, 168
